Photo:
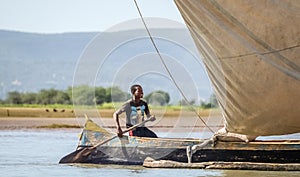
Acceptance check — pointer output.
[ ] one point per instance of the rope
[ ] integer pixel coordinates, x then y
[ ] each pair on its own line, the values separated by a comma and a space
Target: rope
167, 69
190, 150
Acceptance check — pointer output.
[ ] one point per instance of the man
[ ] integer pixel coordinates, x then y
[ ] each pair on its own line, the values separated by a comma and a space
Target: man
135, 110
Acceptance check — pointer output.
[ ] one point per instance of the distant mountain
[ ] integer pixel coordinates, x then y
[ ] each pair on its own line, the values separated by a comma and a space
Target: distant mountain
33, 61
30, 62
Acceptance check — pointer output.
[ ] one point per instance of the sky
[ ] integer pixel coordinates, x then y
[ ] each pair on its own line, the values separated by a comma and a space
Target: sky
59, 16
62, 16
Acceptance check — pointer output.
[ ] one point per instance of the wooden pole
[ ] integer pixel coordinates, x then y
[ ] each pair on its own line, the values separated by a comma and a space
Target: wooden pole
151, 163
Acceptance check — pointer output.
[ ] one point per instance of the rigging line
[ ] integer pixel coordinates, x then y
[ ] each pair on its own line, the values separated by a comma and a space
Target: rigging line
167, 69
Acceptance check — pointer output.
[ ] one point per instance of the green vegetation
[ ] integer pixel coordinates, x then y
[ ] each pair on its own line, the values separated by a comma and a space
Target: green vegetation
90, 97
159, 97
81, 95
106, 109
60, 112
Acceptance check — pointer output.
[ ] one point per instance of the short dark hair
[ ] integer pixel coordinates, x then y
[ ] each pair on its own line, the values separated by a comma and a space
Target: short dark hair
134, 88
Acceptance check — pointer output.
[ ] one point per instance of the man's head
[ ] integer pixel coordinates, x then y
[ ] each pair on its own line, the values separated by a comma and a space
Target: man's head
137, 90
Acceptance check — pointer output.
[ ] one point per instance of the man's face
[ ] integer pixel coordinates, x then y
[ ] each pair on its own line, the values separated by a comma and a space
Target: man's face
139, 92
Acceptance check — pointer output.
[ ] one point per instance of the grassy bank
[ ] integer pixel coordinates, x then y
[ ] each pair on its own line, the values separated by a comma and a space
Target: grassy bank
68, 111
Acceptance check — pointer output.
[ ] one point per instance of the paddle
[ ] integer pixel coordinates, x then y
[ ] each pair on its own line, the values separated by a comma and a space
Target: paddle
81, 155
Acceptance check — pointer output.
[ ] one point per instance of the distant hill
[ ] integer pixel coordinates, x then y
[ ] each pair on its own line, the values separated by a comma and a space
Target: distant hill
32, 61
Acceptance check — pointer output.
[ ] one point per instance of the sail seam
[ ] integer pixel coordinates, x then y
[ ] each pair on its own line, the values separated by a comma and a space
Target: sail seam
263, 53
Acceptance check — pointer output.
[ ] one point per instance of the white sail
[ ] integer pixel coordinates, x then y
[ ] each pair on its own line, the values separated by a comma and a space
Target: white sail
251, 52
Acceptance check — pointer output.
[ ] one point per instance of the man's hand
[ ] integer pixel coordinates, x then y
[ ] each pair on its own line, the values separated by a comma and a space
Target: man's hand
152, 118
119, 132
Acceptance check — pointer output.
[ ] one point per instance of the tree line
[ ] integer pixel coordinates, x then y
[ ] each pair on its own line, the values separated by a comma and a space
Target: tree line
82, 95
86, 95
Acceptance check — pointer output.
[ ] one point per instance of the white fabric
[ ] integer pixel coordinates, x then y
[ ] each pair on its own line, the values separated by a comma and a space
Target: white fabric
251, 52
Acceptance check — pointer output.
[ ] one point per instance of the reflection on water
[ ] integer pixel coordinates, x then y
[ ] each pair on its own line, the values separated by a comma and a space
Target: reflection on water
33, 153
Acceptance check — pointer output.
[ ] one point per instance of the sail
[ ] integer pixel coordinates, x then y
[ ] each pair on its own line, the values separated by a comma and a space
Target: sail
251, 53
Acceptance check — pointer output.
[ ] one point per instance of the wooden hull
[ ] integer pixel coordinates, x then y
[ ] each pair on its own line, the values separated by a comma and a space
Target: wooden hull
134, 150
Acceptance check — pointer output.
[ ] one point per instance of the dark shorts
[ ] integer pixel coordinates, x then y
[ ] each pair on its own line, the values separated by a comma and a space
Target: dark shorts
142, 132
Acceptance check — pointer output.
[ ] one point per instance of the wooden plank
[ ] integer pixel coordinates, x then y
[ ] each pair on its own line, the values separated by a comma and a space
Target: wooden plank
151, 163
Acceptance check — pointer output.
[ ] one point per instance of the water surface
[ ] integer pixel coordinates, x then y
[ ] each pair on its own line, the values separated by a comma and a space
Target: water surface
35, 153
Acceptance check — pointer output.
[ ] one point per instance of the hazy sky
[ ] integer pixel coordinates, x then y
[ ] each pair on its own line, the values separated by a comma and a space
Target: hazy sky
56, 16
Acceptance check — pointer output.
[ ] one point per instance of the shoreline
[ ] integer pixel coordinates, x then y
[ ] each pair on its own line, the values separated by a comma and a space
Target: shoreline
164, 124
13, 118
16, 123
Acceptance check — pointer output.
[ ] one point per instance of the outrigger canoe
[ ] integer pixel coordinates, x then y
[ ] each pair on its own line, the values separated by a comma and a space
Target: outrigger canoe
253, 64
131, 150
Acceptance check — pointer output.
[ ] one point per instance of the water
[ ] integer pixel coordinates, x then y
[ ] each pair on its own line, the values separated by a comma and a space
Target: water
35, 153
